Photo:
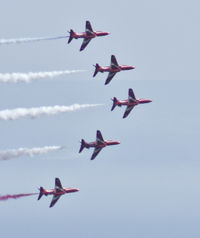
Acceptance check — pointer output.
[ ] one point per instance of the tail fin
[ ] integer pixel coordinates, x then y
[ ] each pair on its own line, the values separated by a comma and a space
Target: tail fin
83, 145
71, 32
114, 103
96, 70
41, 193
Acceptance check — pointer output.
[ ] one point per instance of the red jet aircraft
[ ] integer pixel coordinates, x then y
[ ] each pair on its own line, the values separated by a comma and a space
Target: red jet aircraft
98, 145
56, 192
130, 103
87, 35
112, 69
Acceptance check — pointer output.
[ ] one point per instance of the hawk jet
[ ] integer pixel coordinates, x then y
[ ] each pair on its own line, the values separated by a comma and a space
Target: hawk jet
112, 69
130, 103
98, 145
56, 192
87, 36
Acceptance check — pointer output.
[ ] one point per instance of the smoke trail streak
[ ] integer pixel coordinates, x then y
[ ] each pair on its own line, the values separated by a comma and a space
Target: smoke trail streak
28, 77
10, 154
27, 40
15, 196
34, 112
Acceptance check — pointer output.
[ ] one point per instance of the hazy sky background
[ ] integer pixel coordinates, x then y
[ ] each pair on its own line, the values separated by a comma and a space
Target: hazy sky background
148, 186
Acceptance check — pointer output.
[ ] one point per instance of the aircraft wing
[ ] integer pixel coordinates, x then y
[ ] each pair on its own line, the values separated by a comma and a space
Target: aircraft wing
114, 64
95, 153
85, 43
127, 111
131, 95
99, 138
88, 28
110, 76
58, 185
54, 200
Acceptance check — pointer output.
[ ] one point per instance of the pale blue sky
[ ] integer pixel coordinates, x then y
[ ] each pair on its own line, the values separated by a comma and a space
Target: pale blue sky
148, 186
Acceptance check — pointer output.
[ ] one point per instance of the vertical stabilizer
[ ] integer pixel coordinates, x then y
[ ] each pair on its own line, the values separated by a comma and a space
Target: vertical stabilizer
83, 145
96, 70
41, 193
71, 33
114, 103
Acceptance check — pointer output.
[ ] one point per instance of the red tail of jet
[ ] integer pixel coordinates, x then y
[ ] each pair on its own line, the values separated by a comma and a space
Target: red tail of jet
71, 36
97, 67
42, 192
114, 103
83, 145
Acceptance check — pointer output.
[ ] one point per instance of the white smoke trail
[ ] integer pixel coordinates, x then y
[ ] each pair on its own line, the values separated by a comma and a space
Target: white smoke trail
28, 77
9, 154
27, 40
34, 112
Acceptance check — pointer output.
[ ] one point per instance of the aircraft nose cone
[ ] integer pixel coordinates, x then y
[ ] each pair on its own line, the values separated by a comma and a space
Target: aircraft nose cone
147, 101
105, 33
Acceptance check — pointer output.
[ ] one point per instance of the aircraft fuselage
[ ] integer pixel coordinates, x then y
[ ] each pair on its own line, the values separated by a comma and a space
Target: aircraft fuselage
47, 192
86, 36
136, 102
110, 69
106, 143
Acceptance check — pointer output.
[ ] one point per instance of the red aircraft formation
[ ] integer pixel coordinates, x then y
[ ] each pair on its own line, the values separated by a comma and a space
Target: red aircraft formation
100, 143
